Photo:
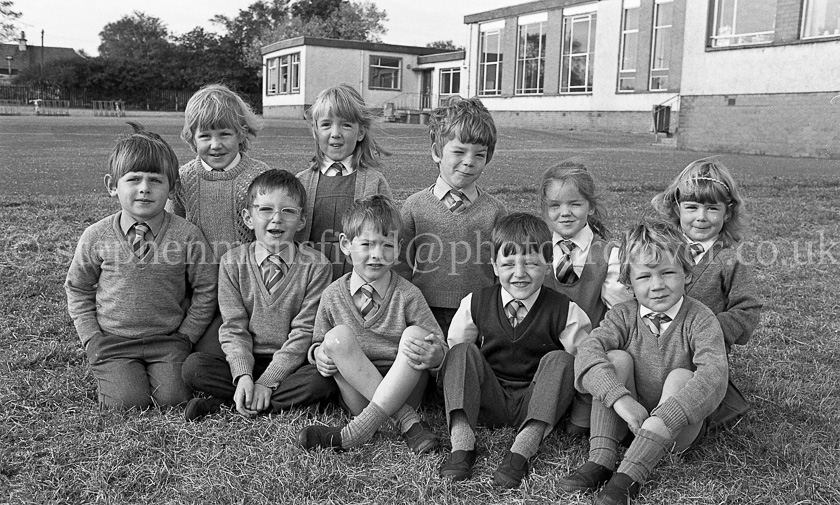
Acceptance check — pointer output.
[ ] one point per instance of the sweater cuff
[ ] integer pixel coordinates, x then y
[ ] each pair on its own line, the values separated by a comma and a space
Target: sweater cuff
609, 388
272, 376
240, 365
87, 330
672, 415
310, 354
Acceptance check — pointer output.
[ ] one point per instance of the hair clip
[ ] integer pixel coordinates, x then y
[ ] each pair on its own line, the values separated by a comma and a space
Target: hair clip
701, 178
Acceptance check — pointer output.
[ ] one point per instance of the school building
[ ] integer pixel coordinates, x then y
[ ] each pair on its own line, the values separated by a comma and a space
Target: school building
754, 76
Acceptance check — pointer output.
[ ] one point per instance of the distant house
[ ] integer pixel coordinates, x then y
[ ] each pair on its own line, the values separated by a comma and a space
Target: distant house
757, 76
14, 58
400, 77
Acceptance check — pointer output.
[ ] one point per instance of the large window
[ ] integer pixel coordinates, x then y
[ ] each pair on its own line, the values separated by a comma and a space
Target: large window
743, 22
490, 59
660, 56
821, 19
450, 81
283, 75
578, 53
629, 41
385, 72
530, 54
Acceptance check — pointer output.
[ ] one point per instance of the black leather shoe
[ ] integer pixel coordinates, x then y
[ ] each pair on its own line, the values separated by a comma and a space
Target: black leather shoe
588, 477
618, 491
314, 437
511, 471
198, 408
458, 465
420, 439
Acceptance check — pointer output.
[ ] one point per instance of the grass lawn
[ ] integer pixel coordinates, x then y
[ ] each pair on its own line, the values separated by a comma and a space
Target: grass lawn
57, 447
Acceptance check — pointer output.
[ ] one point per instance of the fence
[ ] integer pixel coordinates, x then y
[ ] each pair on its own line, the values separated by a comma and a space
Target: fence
108, 108
11, 107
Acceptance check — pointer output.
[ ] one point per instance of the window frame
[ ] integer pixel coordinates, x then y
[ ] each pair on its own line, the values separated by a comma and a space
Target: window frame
747, 39
275, 74
272, 76
376, 68
449, 75
524, 62
569, 20
660, 73
628, 74
807, 11
483, 65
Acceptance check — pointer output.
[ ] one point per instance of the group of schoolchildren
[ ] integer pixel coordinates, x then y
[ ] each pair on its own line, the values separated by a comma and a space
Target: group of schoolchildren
268, 291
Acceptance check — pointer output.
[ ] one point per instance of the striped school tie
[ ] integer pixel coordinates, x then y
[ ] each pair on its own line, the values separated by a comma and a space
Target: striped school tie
696, 250
516, 312
273, 270
565, 272
335, 169
655, 320
456, 200
140, 245
369, 306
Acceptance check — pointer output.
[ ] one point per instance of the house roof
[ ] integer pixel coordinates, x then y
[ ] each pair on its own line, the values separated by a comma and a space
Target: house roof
349, 44
437, 58
32, 55
518, 10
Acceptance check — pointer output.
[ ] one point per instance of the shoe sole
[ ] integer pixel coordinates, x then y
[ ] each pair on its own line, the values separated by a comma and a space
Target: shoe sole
455, 475
504, 480
569, 488
425, 446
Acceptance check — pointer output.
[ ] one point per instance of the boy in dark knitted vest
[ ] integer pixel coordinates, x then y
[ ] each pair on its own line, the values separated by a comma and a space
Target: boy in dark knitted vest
375, 335
268, 294
446, 227
656, 365
511, 360
127, 283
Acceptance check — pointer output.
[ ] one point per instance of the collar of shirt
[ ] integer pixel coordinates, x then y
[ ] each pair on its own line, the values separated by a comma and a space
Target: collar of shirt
154, 223
441, 188
528, 302
672, 313
347, 162
380, 286
707, 246
287, 254
583, 240
229, 167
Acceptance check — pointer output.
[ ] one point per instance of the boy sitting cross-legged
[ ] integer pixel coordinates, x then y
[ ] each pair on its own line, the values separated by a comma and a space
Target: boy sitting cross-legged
268, 296
375, 335
511, 360
656, 365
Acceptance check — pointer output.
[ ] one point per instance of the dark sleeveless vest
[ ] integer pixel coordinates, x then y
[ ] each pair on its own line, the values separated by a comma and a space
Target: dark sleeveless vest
514, 353
586, 291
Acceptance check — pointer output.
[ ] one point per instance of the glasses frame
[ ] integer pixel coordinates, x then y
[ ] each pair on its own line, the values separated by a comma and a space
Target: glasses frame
286, 213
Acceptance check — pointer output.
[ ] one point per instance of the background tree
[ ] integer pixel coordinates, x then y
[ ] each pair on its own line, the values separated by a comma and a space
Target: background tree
136, 37
445, 44
247, 30
332, 19
7, 20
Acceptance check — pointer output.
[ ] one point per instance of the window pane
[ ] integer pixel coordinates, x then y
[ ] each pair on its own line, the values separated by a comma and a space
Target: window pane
742, 22
490, 64
627, 84
385, 72
578, 53
628, 56
822, 18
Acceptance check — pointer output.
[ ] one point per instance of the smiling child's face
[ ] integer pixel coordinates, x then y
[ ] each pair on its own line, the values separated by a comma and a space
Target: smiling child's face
286, 219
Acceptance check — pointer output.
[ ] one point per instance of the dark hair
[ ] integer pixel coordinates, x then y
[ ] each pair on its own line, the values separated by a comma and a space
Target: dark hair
468, 120
656, 238
143, 151
274, 179
377, 211
345, 102
521, 232
575, 172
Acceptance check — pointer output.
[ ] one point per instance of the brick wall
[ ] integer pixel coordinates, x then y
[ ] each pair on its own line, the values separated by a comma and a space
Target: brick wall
784, 124
633, 122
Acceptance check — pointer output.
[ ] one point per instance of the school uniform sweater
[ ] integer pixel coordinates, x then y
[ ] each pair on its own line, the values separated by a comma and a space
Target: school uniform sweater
728, 287
111, 290
514, 354
448, 255
693, 341
278, 323
213, 201
586, 290
379, 337
369, 182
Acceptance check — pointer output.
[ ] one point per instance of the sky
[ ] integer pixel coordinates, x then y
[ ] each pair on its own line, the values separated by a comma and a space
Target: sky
77, 23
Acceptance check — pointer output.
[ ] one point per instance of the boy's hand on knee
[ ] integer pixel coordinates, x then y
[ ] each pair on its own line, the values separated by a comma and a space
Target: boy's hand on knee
325, 365
426, 353
631, 411
244, 395
262, 398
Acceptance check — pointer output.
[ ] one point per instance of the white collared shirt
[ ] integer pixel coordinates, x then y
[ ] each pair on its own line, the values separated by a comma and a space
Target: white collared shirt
707, 246
154, 223
441, 188
347, 162
287, 254
229, 167
672, 313
380, 287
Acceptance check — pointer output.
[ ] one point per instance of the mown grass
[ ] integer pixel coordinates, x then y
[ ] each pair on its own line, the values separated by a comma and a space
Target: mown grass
57, 447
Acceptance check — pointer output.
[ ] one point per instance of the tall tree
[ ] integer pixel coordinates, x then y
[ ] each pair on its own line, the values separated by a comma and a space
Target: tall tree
445, 44
246, 31
350, 21
136, 37
7, 20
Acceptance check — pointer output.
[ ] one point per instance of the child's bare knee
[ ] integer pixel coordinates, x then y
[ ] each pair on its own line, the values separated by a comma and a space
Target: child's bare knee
679, 377
621, 360
415, 332
339, 339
